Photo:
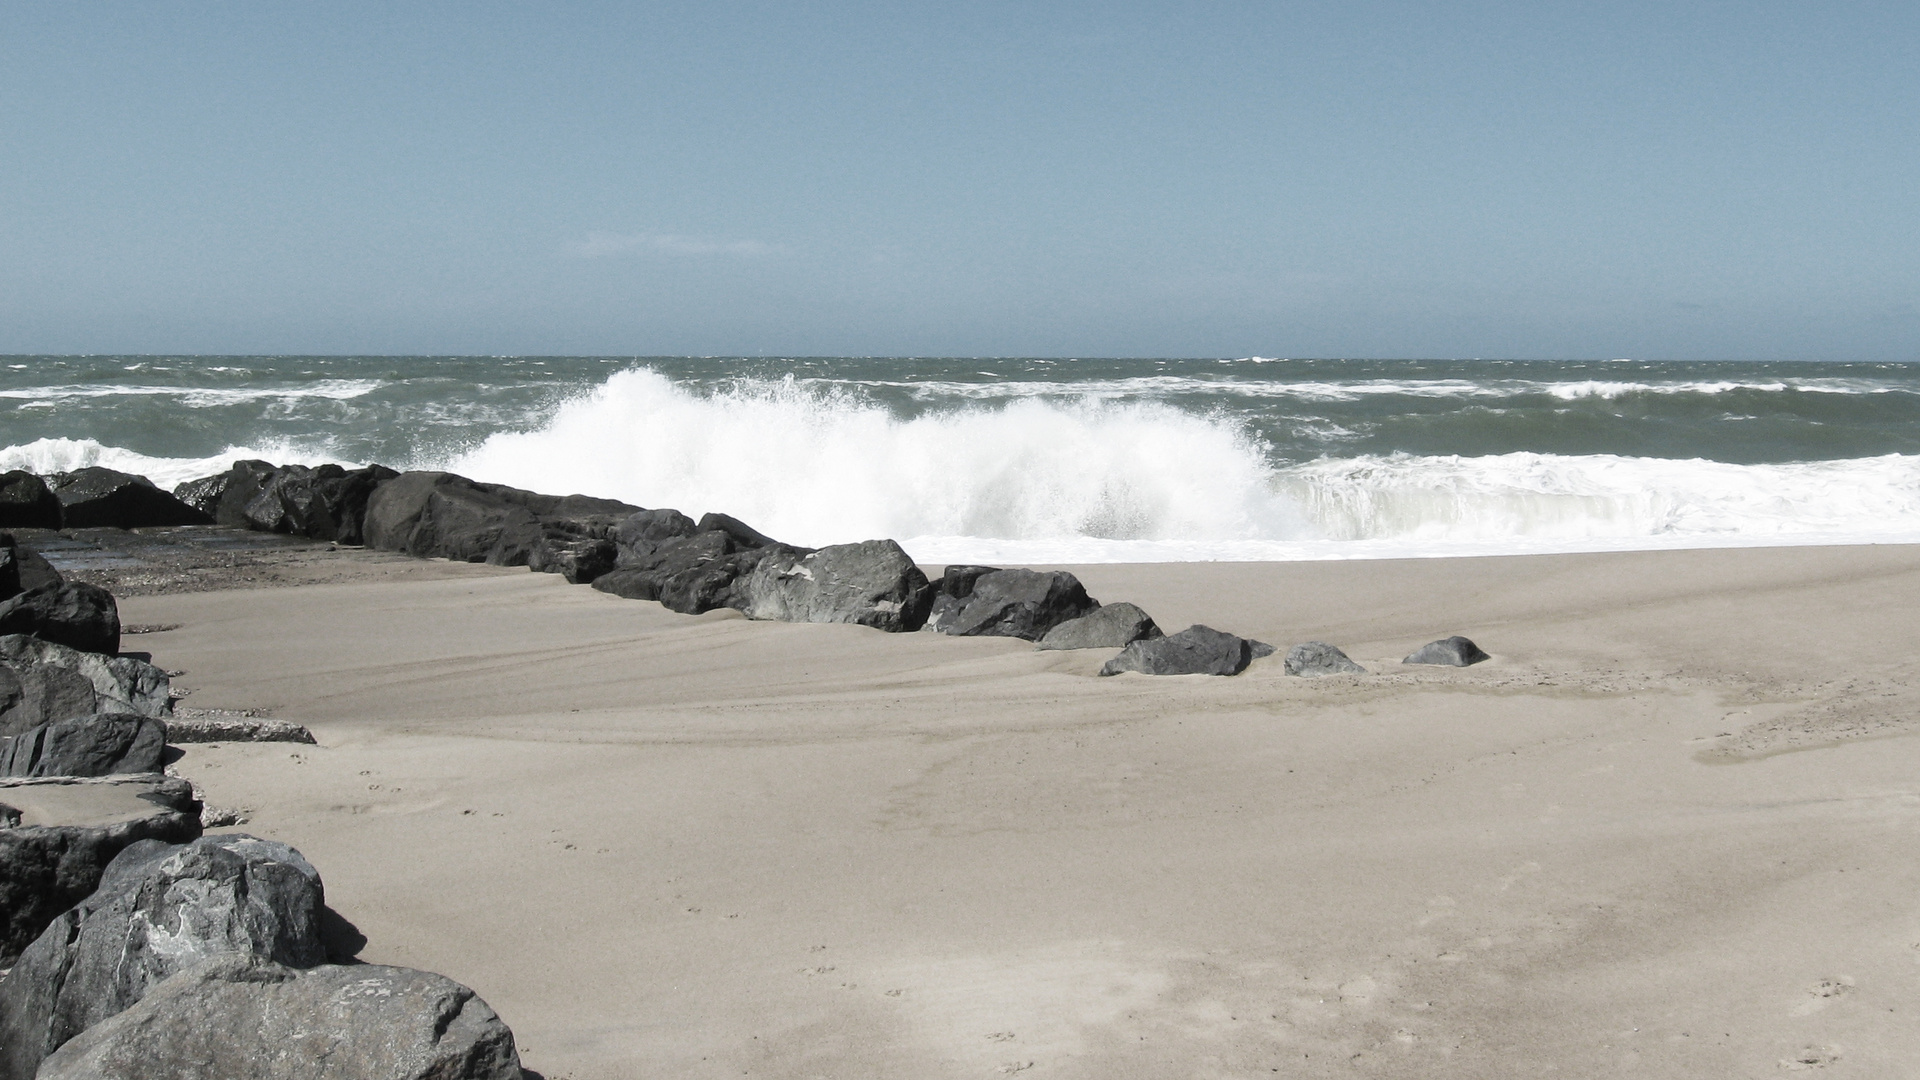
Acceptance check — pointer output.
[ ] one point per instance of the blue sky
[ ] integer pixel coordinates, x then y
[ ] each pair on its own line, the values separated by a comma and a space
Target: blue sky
1706, 180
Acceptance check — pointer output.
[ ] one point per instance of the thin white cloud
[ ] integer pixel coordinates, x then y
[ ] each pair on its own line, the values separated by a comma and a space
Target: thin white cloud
600, 245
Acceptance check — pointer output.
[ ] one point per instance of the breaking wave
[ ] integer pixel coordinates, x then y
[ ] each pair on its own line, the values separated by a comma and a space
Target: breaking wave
1093, 479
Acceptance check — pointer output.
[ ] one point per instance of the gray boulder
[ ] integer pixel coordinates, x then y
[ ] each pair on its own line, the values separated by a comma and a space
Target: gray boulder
441, 515
695, 573
57, 837
23, 569
98, 745
1315, 658
26, 502
324, 502
158, 911
1016, 603
9, 567
1197, 650
1454, 651
578, 559
1112, 626
873, 583
952, 591
42, 682
75, 614
97, 497
239, 1018
642, 532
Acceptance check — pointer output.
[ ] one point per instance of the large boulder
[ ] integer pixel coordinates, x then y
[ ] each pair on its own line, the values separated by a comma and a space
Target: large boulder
1197, 650
324, 502
97, 497
1112, 626
873, 583
75, 614
42, 682
31, 569
159, 910
26, 502
1454, 651
57, 837
1315, 658
97, 745
9, 567
689, 572
579, 559
441, 515
1016, 603
240, 1018
951, 592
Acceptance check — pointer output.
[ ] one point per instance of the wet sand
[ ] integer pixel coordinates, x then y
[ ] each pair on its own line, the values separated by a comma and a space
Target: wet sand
1670, 830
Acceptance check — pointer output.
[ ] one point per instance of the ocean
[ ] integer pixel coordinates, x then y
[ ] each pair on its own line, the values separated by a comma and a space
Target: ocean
1057, 460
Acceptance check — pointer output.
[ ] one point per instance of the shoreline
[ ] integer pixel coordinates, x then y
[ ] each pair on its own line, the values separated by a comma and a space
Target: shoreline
702, 845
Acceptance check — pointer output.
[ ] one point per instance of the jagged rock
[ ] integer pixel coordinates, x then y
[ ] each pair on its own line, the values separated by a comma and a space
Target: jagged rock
74, 614
97, 745
441, 515
744, 535
324, 502
26, 502
97, 497
9, 568
239, 1018
690, 574
1314, 658
873, 583
57, 837
34, 570
1016, 603
1112, 626
1454, 651
645, 530
204, 494
159, 910
579, 560
950, 593
1197, 650
42, 682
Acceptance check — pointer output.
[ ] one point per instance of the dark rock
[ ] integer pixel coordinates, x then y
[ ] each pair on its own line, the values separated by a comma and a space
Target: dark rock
689, 574
648, 528
1455, 651
27, 503
204, 494
159, 910
76, 614
57, 837
744, 535
9, 568
240, 1018
1261, 650
440, 515
1315, 658
99, 745
951, 591
97, 497
1113, 626
1197, 650
873, 583
42, 682
323, 502
1016, 603
580, 561
34, 569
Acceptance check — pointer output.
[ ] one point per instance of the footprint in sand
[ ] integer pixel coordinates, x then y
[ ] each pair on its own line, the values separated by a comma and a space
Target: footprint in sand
1822, 993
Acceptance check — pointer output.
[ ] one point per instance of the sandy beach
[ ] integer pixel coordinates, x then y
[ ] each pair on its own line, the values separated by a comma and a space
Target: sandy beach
1668, 831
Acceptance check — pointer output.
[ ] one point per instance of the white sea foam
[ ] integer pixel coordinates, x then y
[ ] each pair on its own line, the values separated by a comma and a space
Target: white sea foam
1158, 386
195, 396
1094, 480
45, 456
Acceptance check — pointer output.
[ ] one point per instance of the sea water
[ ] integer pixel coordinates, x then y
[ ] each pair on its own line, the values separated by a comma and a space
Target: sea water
1057, 460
